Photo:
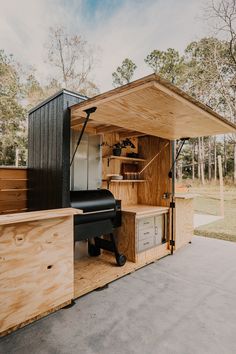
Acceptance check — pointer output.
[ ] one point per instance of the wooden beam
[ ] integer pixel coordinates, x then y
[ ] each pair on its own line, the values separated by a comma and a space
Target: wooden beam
13, 173
130, 134
77, 121
108, 129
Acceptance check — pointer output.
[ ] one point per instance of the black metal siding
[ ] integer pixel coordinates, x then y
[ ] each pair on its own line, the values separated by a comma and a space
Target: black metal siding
49, 153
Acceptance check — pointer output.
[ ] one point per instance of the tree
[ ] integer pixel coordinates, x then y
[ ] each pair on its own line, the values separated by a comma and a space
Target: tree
223, 13
34, 93
168, 64
73, 59
12, 114
124, 73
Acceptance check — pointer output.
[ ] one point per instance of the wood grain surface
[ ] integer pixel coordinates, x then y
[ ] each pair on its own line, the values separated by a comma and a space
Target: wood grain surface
37, 273
184, 213
156, 107
13, 189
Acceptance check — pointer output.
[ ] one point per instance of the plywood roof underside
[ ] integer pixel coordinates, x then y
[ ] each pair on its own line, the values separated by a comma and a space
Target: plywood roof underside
152, 106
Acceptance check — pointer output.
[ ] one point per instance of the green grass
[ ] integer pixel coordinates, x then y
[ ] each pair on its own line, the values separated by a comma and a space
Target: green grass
207, 201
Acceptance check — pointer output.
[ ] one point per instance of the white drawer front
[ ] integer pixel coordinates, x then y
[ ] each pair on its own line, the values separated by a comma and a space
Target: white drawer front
145, 244
159, 229
146, 223
146, 233
158, 238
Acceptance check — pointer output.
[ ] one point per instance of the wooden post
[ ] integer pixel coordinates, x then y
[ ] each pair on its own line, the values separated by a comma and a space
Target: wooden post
221, 186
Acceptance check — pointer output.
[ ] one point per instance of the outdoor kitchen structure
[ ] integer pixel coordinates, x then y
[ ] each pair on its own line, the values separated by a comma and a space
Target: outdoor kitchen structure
100, 200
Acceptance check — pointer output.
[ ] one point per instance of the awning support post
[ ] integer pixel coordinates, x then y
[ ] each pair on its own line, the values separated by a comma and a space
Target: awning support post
171, 175
88, 112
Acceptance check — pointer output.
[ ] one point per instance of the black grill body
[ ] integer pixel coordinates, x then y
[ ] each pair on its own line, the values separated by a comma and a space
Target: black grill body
101, 215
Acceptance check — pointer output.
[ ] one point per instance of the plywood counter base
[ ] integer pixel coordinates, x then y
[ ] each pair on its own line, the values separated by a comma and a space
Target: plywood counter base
36, 261
92, 273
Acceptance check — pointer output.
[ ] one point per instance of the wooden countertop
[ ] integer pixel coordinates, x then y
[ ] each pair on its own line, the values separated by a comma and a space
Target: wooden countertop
142, 210
184, 195
37, 215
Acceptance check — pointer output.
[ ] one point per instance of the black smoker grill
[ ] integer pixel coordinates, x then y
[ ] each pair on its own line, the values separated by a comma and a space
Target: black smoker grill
101, 215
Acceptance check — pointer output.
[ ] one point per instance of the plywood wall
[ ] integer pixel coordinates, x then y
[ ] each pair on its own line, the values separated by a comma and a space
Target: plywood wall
184, 214
36, 261
158, 182
156, 175
126, 192
13, 190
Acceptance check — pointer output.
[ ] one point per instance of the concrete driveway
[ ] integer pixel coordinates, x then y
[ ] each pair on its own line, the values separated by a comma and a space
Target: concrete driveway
183, 304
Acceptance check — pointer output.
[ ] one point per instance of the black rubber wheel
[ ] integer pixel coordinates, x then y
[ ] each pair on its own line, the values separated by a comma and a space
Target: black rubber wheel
120, 260
93, 251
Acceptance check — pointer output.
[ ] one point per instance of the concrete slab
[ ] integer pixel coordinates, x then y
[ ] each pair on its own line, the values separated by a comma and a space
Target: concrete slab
182, 304
205, 219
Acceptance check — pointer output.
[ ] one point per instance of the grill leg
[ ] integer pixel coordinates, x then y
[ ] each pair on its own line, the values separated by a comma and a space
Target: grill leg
101, 243
93, 249
120, 258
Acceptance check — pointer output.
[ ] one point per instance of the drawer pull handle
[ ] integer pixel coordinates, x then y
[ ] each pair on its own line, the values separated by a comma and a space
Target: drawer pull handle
146, 223
146, 243
146, 233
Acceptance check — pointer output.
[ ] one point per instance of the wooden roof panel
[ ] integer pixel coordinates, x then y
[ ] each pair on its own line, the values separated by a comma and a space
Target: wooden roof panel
154, 106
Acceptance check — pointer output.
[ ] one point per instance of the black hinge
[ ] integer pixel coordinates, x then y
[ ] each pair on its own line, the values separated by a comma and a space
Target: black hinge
172, 242
172, 204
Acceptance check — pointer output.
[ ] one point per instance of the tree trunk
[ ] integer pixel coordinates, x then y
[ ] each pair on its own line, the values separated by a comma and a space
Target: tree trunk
17, 158
235, 163
201, 153
193, 165
209, 159
199, 160
215, 160
225, 157
180, 170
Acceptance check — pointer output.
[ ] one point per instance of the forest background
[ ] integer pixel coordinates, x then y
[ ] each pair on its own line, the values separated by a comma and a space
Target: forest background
206, 70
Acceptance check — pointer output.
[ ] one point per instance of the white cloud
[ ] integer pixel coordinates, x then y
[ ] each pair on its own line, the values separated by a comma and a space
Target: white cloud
133, 30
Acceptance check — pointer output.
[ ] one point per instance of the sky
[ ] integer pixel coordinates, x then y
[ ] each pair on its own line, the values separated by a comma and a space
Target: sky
116, 28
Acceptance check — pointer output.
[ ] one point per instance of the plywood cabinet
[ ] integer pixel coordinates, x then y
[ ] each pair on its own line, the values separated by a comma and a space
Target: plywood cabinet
184, 214
143, 228
36, 265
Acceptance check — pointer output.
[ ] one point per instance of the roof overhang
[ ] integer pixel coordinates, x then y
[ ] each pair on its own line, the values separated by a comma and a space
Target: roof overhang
154, 106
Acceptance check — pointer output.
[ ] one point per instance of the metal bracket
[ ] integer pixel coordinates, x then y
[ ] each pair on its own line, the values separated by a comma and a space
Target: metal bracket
183, 140
172, 242
172, 205
88, 112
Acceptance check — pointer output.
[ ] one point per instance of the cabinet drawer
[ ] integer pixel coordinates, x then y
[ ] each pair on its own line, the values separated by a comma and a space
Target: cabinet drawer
145, 244
146, 223
159, 229
146, 233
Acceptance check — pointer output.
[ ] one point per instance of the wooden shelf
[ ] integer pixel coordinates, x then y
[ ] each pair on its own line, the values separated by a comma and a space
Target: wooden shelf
124, 158
127, 180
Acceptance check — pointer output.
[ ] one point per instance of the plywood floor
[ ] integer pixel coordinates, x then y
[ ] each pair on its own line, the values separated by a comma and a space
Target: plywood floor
91, 273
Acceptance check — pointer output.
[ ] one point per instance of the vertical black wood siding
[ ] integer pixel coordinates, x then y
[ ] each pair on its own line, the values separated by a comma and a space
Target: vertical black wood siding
49, 153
